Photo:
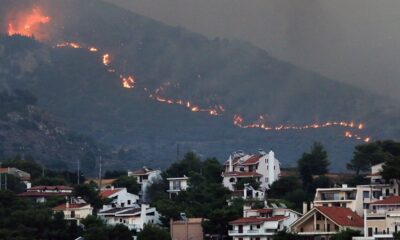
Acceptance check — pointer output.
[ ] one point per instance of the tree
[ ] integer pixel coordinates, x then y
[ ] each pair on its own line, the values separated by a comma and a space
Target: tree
89, 193
313, 163
391, 169
297, 197
284, 185
347, 234
129, 183
212, 169
396, 235
114, 174
153, 232
190, 163
321, 182
119, 232
366, 155
284, 235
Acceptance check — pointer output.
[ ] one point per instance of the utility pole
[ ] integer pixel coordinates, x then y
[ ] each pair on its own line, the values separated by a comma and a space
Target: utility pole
79, 170
100, 175
177, 152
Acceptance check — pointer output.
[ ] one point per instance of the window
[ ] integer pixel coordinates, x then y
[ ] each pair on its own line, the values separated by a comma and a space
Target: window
301, 229
258, 226
242, 169
129, 202
72, 214
328, 227
317, 227
231, 180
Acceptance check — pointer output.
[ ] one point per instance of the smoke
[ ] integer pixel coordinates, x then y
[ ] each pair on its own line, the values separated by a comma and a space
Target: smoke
354, 41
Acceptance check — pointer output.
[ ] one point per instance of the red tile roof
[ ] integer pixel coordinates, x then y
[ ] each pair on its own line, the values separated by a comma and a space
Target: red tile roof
105, 193
393, 200
254, 220
44, 194
342, 216
71, 206
43, 188
243, 174
252, 160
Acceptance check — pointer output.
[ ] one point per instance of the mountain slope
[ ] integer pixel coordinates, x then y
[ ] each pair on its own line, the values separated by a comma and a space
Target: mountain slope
74, 85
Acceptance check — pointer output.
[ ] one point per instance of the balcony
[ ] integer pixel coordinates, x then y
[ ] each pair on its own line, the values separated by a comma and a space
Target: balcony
254, 232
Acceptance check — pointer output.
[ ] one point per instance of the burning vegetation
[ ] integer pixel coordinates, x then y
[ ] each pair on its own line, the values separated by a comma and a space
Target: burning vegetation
29, 24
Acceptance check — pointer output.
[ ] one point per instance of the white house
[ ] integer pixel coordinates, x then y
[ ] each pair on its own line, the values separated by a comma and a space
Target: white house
145, 177
262, 223
132, 217
74, 210
263, 167
120, 198
177, 184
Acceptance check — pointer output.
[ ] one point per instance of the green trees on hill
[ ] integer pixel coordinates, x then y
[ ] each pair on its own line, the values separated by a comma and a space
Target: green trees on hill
366, 155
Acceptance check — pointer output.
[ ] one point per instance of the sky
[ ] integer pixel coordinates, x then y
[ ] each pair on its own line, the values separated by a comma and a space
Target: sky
353, 41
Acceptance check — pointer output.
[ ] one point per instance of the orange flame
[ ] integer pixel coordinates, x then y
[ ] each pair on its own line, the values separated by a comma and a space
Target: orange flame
128, 82
28, 25
106, 59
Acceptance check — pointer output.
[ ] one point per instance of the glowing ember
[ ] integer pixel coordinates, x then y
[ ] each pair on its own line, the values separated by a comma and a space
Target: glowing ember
128, 82
106, 59
28, 24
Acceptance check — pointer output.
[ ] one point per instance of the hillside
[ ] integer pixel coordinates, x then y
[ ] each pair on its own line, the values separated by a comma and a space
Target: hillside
79, 90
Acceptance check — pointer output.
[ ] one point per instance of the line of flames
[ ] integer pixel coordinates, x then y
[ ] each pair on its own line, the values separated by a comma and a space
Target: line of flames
129, 82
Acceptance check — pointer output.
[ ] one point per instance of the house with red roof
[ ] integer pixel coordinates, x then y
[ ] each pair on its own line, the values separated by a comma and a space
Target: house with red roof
262, 223
323, 222
74, 210
42, 193
120, 197
384, 218
262, 167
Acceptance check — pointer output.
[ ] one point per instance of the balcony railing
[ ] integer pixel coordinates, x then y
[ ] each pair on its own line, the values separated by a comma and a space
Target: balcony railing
253, 232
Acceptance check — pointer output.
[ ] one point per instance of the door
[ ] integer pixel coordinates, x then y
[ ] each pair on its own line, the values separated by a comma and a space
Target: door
240, 229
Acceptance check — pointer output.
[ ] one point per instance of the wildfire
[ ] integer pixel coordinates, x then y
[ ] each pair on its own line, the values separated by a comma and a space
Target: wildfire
106, 59
215, 110
128, 82
239, 122
28, 24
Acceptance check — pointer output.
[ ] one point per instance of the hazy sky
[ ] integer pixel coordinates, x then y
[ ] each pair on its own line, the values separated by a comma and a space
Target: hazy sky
355, 41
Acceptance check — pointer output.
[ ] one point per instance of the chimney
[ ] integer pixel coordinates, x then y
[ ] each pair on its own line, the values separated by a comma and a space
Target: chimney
230, 164
271, 167
143, 212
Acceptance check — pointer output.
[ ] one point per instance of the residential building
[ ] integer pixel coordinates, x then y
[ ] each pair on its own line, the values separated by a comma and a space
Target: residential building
23, 176
383, 218
249, 193
145, 175
42, 193
120, 198
132, 217
322, 222
188, 229
74, 210
262, 167
262, 223
357, 198
177, 185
